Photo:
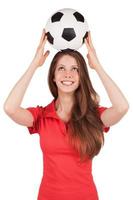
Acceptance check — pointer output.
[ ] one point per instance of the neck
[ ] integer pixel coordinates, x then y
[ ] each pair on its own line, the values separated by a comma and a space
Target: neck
64, 103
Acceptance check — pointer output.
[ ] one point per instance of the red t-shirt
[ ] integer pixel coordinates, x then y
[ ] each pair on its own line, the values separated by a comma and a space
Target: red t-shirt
64, 177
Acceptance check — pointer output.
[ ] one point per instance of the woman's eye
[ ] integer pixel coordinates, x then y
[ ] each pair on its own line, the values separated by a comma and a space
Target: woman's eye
60, 68
75, 69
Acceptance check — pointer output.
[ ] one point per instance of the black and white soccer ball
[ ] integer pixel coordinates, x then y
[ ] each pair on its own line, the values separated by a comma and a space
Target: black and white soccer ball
66, 29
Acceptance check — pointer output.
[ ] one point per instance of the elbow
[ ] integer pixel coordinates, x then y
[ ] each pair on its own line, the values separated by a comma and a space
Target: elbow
127, 108
124, 109
6, 109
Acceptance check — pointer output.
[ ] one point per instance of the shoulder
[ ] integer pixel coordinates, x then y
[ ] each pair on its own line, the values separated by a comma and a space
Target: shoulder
44, 111
101, 109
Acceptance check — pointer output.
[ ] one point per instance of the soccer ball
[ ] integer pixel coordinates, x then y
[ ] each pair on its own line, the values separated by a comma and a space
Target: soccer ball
66, 29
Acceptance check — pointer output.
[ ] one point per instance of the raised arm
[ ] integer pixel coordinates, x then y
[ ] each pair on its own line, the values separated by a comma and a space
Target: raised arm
12, 105
120, 105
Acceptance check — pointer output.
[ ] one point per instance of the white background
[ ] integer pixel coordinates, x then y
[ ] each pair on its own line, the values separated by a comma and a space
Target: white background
21, 24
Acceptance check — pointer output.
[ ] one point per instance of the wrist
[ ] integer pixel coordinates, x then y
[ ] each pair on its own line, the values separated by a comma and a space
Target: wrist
33, 65
98, 67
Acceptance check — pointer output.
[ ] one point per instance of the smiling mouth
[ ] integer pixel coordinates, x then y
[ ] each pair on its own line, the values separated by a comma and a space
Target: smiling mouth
67, 83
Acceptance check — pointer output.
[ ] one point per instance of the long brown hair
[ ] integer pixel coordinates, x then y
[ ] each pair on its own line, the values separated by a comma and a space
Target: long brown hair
85, 124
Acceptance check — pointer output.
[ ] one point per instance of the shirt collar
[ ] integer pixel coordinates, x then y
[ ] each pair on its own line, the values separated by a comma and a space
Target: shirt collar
49, 110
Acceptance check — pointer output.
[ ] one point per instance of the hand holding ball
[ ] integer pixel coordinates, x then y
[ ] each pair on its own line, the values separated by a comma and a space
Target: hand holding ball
66, 29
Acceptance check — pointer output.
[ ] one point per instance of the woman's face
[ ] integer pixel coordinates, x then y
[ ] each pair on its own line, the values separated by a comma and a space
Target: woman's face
66, 74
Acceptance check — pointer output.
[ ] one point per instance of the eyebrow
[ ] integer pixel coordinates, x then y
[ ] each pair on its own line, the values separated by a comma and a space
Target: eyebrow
65, 66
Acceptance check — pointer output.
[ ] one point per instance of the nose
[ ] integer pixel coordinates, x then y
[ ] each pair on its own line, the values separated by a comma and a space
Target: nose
68, 74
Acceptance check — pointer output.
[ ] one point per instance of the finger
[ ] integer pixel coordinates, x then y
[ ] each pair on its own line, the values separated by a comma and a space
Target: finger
44, 41
42, 37
87, 44
87, 38
90, 40
46, 54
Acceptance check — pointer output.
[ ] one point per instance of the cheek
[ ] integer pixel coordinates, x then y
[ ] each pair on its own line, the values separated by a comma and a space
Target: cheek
57, 78
78, 78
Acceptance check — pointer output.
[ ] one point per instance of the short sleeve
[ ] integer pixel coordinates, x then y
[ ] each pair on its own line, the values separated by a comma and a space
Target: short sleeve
36, 113
101, 109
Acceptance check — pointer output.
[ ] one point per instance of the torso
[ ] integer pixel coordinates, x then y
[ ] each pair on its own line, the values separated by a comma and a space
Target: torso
64, 176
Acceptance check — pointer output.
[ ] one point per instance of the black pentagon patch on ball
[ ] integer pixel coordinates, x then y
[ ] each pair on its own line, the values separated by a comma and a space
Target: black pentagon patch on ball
68, 34
78, 17
85, 36
56, 17
50, 38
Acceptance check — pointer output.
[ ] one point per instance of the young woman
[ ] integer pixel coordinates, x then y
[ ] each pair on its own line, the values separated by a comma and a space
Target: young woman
71, 126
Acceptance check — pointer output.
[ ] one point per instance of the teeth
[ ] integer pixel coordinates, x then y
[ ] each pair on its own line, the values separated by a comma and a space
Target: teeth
67, 82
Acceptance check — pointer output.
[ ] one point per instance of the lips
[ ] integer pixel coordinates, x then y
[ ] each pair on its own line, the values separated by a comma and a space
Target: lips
67, 82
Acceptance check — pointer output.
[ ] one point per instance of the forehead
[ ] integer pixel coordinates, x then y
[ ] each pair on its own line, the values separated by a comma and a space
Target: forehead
67, 60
